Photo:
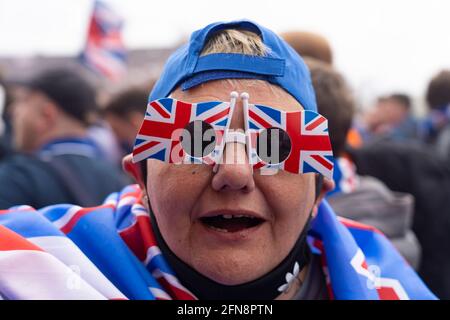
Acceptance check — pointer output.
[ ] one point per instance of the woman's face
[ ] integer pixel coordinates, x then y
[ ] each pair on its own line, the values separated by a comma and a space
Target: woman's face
193, 206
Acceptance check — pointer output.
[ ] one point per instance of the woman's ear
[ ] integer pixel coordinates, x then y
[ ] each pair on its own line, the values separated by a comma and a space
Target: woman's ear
327, 186
133, 170
49, 115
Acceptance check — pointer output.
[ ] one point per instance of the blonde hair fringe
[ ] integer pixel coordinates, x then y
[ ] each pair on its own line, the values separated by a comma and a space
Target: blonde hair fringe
235, 41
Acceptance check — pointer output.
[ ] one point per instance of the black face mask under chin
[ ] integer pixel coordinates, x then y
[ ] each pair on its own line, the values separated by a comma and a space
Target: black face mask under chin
263, 288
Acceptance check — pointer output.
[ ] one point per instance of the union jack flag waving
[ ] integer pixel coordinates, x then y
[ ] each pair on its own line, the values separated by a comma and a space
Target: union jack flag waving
162, 128
105, 52
308, 132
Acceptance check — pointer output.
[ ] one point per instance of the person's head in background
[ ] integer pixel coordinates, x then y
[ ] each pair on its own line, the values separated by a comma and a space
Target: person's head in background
55, 104
124, 115
309, 44
391, 116
438, 100
438, 92
334, 101
396, 107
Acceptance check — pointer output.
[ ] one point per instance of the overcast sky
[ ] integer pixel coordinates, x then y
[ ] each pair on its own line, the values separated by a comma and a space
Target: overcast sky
379, 45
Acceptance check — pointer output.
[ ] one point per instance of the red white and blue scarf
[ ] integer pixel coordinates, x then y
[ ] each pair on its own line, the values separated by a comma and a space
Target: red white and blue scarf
110, 252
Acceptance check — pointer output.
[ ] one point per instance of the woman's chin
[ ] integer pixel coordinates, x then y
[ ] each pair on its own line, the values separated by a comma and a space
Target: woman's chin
237, 268
228, 259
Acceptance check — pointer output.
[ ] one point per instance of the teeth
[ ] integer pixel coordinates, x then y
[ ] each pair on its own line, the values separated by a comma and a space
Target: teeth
218, 229
230, 216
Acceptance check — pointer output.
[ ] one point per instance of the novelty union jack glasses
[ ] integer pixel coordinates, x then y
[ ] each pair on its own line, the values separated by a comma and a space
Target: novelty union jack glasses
178, 132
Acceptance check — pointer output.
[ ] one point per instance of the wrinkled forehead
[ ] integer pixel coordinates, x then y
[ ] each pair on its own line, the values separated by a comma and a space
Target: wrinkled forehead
260, 91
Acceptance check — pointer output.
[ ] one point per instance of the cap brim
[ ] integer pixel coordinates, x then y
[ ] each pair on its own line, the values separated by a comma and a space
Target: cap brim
206, 76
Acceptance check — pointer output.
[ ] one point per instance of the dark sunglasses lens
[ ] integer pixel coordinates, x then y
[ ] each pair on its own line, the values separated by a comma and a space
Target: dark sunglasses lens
273, 145
198, 139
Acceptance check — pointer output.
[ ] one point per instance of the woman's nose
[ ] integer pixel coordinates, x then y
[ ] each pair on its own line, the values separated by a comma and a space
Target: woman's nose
234, 172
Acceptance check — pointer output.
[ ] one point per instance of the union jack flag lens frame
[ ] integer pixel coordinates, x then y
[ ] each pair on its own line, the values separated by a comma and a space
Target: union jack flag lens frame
297, 142
168, 125
310, 146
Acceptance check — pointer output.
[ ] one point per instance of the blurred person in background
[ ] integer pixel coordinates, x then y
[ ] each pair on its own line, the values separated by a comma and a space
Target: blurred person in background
437, 124
390, 118
361, 198
124, 115
57, 163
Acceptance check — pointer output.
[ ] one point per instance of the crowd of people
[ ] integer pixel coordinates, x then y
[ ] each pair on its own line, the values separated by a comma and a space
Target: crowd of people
391, 169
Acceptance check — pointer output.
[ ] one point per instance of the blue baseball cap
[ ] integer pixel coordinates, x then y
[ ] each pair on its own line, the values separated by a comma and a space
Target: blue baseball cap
281, 65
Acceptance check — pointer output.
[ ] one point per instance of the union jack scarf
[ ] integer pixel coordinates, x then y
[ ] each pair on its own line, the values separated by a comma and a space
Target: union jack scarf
110, 252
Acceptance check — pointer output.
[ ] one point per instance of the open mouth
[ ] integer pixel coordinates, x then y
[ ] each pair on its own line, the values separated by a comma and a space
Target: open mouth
231, 223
